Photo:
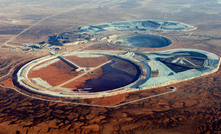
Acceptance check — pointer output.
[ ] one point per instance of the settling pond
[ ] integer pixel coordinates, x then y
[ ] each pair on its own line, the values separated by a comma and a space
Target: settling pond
142, 41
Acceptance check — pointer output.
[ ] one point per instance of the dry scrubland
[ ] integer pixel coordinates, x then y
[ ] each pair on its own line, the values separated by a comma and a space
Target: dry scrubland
193, 108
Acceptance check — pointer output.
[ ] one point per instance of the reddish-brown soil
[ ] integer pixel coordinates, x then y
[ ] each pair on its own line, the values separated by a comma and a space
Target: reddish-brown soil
59, 72
8, 82
51, 74
193, 108
109, 101
87, 62
55, 74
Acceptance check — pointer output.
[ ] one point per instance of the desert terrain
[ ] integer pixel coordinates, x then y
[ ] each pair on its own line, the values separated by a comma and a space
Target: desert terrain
195, 107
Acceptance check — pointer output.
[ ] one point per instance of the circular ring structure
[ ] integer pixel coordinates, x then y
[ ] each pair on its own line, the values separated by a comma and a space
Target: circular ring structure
80, 75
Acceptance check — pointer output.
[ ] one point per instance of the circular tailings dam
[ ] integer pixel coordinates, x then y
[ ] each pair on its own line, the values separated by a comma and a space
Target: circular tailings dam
72, 74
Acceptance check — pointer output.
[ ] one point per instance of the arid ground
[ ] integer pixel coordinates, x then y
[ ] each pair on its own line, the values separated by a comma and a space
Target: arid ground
195, 107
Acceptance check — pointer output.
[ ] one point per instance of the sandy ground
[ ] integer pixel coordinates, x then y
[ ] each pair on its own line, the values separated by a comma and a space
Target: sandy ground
193, 108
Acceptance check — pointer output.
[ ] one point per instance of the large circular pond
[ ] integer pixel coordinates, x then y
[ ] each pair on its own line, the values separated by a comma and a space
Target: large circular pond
142, 40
